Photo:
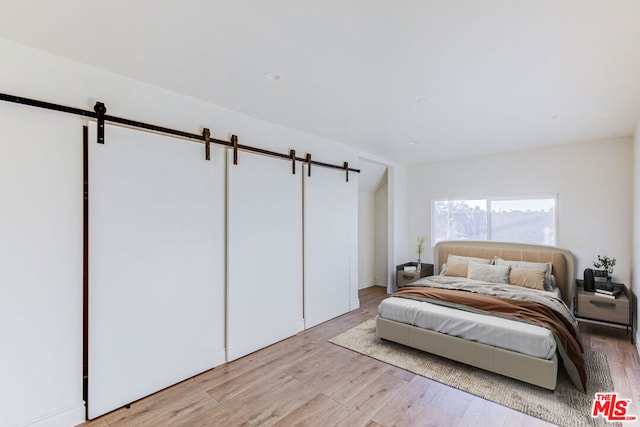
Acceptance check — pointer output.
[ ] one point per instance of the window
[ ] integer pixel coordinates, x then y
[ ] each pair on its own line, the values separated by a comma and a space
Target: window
517, 220
459, 220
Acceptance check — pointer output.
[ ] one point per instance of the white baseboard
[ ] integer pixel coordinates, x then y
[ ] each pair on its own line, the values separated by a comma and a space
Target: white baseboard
355, 304
380, 283
365, 283
66, 417
220, 357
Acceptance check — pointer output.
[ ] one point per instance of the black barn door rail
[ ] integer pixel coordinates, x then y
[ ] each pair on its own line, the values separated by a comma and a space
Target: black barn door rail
100, 115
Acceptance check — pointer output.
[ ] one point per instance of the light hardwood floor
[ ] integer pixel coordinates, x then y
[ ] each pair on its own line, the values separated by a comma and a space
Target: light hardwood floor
307, 381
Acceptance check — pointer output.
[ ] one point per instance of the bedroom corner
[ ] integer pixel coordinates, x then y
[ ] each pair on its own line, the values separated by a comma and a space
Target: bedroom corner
373, 220
382, 221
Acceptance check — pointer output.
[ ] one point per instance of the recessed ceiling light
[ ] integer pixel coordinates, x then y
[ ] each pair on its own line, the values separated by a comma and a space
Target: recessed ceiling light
271, 76
423, 101
554, 117
412, 142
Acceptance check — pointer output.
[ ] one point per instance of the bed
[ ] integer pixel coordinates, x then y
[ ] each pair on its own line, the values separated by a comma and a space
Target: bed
422, 316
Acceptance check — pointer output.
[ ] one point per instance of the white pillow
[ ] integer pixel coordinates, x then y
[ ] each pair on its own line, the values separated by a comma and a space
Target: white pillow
443, 269
489, 273
549, 280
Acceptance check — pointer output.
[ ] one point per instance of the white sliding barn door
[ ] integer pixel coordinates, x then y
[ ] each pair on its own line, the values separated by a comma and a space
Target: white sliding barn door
330, 228
156, 251
264, 217
40, 266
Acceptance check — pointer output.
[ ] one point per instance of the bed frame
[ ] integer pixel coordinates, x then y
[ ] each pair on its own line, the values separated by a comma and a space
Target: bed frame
540, 372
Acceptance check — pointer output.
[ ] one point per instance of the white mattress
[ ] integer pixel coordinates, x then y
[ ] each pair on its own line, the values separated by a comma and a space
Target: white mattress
532, 340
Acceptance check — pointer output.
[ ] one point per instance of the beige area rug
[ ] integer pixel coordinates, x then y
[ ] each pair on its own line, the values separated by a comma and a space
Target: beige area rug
566, 406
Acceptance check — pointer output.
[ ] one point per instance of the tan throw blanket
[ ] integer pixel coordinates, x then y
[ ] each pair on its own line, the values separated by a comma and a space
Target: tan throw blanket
564, 333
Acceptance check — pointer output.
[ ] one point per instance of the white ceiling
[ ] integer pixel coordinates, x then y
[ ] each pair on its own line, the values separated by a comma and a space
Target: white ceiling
494, 75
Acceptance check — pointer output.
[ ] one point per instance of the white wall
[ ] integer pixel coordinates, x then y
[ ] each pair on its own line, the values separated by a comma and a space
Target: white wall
398, 221
381, 239
636, 223
34, 74
593, 181
40, 267
366, 238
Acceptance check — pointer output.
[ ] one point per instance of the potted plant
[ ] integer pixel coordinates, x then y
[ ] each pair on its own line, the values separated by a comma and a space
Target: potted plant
606, 264
420, 249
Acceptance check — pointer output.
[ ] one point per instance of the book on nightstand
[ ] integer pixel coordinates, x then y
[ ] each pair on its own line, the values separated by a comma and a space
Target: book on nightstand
608, 294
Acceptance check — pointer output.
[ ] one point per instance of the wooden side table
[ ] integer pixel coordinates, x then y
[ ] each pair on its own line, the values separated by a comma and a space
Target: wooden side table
404, 278
615, 312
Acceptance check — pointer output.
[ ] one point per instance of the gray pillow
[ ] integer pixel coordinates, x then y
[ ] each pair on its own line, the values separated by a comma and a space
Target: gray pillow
489, 273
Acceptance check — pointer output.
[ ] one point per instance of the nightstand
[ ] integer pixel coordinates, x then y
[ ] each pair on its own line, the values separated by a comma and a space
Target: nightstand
403, 278
616, 312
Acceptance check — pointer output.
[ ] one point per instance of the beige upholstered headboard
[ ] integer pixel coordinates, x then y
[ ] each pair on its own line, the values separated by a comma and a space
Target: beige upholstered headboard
562, 259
